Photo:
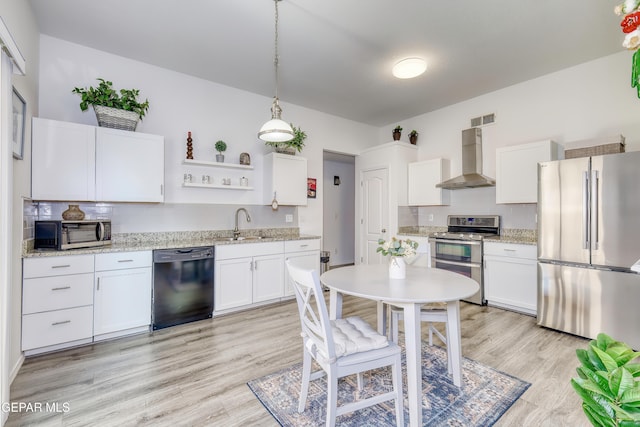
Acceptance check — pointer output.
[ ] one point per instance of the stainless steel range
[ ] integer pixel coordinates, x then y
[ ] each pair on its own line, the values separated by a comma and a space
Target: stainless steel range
460, 248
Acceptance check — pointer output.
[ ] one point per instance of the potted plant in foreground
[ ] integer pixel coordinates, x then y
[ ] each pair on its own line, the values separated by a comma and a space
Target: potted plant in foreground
113, 109
291, 146
220, 147
608, 383
397, 132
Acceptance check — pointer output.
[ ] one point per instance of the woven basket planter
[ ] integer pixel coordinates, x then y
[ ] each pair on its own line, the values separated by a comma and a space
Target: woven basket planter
115, 118
285, 149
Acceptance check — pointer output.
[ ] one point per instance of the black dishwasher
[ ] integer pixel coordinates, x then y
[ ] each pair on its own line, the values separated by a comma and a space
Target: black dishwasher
182, 286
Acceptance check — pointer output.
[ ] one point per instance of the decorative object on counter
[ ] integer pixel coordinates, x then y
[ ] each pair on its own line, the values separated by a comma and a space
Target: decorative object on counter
630, 26
608, 383
276, 129
397, 132
245, 159
397, 249
113, 110
19, 112
189, 146
244, 182
274, 202
220, 147
73, 213
290, 147
413, 137
311, 188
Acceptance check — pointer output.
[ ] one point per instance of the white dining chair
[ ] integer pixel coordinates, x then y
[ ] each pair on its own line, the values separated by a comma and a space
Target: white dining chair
340, 347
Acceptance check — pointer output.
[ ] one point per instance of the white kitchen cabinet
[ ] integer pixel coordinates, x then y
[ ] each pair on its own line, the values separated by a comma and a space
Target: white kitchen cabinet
248, 273
57, 302
122, 302
422, 179
286, 177
303, 254
62, 161
510, 276
517, 170
129, 166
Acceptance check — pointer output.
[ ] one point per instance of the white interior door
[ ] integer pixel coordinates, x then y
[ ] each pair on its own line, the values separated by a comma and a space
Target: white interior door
375, 213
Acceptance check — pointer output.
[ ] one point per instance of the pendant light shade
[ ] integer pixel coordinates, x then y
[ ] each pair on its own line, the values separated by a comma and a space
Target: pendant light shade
276, 129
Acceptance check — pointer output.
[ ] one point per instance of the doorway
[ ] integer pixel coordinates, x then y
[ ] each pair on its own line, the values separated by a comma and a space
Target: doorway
375, 213
338, 228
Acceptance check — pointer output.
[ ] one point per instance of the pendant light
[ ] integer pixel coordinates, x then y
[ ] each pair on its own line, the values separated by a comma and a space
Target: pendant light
276, 129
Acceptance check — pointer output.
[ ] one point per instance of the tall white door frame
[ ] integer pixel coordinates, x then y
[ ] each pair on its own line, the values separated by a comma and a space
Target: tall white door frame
374, 212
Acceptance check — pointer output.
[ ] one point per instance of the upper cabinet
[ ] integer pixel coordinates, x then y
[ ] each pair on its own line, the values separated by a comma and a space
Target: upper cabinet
517, 170
285, 176
422, 179
129, 166
84, 163
62, 161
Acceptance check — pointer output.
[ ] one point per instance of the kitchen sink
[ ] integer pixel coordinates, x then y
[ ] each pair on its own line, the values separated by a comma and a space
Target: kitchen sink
239, 239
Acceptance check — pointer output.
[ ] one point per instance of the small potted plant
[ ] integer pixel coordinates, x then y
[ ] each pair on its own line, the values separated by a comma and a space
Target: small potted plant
113, 109
293, 145
397, 131
413, 137
220, 147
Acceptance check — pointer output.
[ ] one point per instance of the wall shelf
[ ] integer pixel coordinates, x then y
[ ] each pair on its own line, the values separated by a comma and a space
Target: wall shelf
217, 165
224, 187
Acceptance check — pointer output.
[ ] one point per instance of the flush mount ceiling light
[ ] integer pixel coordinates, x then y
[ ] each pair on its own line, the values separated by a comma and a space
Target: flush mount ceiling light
276, 129
409, 68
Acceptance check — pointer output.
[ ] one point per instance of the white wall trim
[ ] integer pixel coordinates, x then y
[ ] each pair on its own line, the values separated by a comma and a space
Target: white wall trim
11, 48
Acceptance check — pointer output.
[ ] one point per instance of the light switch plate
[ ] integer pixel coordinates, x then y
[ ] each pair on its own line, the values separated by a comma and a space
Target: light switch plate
288, 218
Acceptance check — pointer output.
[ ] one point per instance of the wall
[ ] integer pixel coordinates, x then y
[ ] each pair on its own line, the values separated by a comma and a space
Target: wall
20, 21
339, 212
181, 103
591, 100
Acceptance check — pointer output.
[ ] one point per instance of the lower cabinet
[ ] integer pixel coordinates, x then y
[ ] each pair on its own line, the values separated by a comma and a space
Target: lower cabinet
301, 253
122, 294
510, 276
247, 274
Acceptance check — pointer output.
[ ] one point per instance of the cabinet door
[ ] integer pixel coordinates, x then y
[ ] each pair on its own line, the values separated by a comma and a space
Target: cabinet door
308, 260
422, 180
511, 283
233, 283
63, 161
286, 176
268, 277
129, 166
122, 300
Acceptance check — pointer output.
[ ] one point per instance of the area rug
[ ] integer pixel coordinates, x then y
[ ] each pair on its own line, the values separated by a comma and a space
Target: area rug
485, 396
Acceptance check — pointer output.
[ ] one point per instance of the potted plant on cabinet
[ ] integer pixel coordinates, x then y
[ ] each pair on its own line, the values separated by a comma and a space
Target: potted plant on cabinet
413, 137
220, 147
397, 132
291, 146
113, 110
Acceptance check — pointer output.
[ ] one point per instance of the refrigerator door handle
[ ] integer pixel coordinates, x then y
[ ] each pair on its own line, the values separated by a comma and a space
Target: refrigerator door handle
585, 210
595, 204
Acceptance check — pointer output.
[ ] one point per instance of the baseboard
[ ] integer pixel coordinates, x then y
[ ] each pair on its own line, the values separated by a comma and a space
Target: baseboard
16, 369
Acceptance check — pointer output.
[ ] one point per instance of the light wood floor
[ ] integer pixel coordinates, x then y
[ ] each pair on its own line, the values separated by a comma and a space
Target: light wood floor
196, 374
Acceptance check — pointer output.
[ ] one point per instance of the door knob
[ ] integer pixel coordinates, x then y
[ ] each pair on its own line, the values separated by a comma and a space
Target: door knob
384, 230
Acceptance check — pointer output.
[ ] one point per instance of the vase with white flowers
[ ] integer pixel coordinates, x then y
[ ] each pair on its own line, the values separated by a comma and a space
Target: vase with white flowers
397, 250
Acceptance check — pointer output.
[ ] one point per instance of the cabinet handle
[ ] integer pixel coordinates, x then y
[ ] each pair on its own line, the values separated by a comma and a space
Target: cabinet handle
303, 246
161, 189
509, 250
61, 288
61, 266
98, 282
125, 260
60, 323
255, 265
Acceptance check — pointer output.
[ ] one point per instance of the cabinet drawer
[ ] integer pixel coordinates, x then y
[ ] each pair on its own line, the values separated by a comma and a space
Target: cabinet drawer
56, 327
241, 250
302, 245
54, 293
57, 265
123, 260
511, 250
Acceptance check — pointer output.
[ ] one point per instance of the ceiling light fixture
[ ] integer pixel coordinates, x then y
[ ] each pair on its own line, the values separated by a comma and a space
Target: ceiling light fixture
409, 68
276, 129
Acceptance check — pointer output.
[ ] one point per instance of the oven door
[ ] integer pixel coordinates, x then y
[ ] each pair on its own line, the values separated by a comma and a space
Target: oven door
462, 257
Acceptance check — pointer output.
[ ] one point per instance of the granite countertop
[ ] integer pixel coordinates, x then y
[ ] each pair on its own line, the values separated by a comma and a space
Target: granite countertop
152, 241
507, 235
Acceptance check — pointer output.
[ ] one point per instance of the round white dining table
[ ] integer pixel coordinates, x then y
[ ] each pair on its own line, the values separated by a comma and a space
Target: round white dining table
421, 286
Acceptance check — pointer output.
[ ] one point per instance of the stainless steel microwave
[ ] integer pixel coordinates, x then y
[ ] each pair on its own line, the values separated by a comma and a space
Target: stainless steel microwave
63, 235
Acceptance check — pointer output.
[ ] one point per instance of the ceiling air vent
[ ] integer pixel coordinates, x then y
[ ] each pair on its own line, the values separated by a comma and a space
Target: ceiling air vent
486, 119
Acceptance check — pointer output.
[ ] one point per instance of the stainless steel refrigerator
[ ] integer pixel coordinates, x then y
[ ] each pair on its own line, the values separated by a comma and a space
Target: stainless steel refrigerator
588, 238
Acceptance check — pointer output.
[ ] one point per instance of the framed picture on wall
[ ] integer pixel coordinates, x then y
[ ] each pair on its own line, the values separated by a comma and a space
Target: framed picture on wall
311, 188
19, 113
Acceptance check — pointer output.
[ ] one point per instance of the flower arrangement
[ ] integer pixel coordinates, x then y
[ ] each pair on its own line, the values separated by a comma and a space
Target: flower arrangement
397, 247
630, 26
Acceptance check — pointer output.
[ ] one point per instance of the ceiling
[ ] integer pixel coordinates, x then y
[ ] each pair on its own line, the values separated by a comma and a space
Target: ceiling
336, 55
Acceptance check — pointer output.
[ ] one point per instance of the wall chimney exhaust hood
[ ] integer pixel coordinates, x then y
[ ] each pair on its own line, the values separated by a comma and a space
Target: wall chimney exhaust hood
471, 164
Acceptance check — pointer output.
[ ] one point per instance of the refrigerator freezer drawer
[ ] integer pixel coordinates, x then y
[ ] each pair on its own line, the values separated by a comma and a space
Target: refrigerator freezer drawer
587, 301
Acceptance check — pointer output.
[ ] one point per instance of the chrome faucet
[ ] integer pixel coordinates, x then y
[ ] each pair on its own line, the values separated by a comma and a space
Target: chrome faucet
236, 232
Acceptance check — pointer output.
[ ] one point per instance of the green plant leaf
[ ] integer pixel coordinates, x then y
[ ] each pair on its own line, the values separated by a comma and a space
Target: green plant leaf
600, 384
583, 357
596, 419
631, 397
595, 360
607, 361
627, 423
596, 402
